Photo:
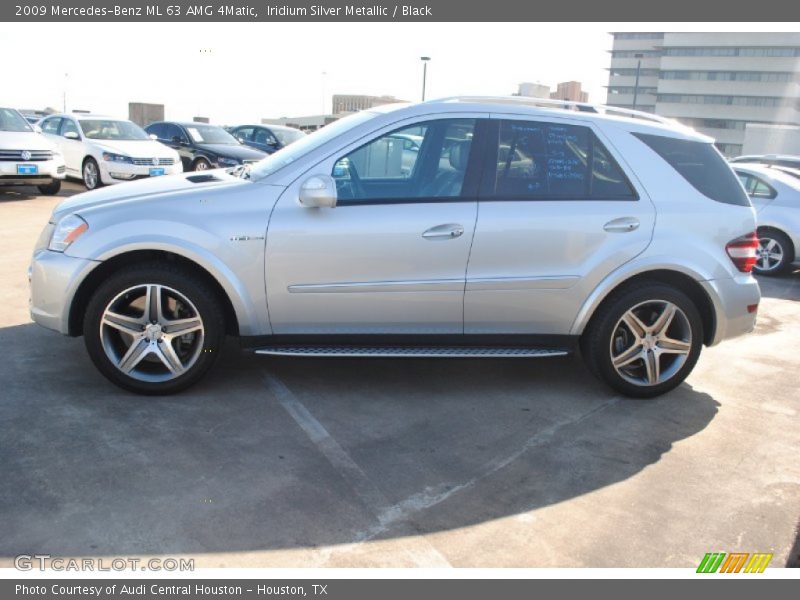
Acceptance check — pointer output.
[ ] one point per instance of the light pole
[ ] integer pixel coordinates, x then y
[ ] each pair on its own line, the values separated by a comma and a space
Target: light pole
323, 76
636, 83
424, 60
66, 75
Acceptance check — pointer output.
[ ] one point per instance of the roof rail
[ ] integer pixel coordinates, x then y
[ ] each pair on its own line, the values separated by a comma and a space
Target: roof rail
564, 105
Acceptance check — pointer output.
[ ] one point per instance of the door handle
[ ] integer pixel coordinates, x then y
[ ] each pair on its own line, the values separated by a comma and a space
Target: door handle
448, 231
622, 225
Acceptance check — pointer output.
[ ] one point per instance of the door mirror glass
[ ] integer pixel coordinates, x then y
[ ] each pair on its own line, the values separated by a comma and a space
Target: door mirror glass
318, 191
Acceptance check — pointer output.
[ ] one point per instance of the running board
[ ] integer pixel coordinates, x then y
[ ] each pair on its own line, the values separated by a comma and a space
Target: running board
412, 351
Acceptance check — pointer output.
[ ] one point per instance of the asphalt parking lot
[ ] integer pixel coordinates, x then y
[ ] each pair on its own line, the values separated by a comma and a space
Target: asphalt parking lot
347, 463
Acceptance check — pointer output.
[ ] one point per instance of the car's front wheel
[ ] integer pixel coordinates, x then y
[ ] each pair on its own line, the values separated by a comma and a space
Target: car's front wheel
154, 328
774, 254
91, 174
644, 340
201, 164
50, 189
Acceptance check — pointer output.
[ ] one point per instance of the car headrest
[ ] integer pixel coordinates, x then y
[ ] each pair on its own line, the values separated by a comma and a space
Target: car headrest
459, 154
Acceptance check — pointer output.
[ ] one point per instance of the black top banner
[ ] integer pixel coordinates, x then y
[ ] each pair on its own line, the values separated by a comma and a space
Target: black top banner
410, 10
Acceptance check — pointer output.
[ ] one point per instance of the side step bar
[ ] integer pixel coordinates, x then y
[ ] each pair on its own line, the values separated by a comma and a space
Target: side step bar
412, 351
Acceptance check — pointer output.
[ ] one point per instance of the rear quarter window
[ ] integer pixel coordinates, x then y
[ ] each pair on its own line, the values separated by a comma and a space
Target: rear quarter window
701, 164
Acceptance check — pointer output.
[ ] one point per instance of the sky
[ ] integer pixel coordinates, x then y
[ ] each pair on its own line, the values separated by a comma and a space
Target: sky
242, 72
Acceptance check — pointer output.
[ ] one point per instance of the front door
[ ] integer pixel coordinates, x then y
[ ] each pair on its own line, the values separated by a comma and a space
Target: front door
391, 257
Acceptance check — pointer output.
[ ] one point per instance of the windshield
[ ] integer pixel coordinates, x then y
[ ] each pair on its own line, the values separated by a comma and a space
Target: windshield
102, 129
210, 134
287, 136
307, 144
11, 120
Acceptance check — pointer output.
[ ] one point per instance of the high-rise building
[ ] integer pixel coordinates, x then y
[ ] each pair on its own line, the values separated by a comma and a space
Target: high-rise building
570, 90
716, 83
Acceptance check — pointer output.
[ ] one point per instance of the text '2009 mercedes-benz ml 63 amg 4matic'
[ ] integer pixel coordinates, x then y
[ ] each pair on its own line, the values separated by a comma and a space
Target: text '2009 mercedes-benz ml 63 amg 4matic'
463, 227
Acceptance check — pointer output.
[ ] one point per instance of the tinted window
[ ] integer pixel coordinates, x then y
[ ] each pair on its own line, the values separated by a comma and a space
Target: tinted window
701, 165
172, 131
388, 168
51, 125
264, 136
544, 161
243, 133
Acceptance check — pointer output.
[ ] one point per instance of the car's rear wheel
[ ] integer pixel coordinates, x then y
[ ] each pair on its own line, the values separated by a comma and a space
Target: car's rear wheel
91, 174
644, 340
51, 189
154, 328
775, 253
201, 164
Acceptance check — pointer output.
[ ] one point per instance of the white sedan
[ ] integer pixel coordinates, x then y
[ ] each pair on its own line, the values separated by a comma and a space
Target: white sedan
103, 150
775, 193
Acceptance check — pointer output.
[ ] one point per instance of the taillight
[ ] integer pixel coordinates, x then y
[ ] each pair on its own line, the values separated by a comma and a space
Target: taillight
742, 251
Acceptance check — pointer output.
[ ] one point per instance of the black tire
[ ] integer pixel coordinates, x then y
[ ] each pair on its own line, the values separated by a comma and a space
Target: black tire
201, 164
188, 284
51, 189
603, 331
782, 243
89, 162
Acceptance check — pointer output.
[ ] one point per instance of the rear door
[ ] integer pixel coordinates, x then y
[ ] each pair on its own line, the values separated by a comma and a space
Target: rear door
558, 211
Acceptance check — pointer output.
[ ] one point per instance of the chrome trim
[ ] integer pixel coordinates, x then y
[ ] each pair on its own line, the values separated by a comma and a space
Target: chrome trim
522, 283
439, 285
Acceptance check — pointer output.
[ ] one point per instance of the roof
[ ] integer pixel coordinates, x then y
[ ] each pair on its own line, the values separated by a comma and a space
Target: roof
631, 120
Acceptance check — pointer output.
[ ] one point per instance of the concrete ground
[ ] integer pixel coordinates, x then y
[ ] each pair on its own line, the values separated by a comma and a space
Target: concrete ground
313, 462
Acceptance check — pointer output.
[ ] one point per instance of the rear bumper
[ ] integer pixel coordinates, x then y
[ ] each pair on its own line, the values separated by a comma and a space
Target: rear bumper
731, 299
54, 278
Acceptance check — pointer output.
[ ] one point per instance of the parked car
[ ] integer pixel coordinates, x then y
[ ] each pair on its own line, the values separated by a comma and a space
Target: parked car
202, 146
781, 160
624, 235
268, 139
776, 197
26, 156
103, 150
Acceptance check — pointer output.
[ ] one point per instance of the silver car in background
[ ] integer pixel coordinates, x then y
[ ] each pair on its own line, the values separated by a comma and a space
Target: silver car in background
517, 228
775, 193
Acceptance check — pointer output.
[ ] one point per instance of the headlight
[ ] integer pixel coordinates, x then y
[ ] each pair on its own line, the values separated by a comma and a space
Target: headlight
227, 162
120, 158
66, 231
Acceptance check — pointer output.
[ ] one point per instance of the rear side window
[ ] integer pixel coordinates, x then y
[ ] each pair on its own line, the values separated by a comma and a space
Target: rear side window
700, 164
553, 161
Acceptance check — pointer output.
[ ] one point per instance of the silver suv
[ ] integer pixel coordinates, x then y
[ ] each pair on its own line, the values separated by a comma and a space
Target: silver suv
511, 228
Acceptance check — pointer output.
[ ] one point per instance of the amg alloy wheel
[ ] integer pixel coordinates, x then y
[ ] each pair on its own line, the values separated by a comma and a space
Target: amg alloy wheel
154, 329
644, 340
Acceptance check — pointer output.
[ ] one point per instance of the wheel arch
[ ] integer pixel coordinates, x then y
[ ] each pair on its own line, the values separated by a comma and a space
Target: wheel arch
107, 267
678, 279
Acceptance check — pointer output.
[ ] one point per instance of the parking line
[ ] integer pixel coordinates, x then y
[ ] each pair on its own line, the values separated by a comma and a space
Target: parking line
421, 551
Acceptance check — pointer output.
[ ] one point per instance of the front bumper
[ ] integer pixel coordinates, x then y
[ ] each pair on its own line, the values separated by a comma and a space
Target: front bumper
54, 279
731, 299
117, 172
47, 171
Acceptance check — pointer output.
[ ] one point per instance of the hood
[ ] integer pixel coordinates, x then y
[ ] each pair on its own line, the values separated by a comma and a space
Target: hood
144, 189
135, 148
24, 140
234, 151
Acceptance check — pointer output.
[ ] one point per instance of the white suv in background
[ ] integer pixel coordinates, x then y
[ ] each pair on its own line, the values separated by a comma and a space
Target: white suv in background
26, 156
103, 150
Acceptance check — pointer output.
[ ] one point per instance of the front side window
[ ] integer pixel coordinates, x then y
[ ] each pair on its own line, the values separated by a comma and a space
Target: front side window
68, 126
264, 136
51, 125
426, 160
552, 161
243, 133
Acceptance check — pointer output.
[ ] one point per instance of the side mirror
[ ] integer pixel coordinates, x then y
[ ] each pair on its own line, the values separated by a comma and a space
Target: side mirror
176, 139
153, 136
37, 129
71, 135
318, 191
